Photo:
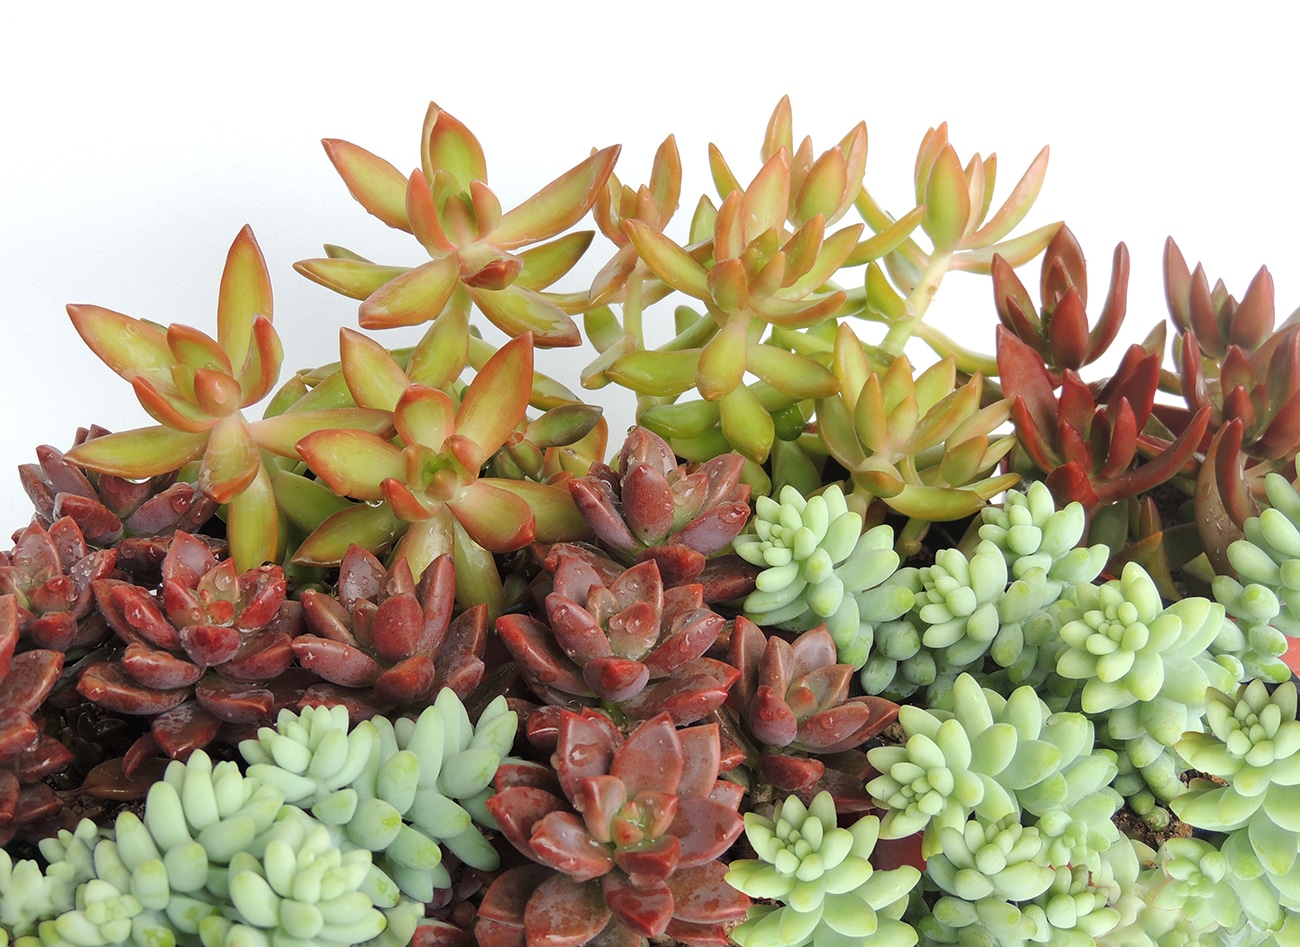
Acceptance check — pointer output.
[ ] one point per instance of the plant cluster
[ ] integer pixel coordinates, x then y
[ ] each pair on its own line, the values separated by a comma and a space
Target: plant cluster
827, 651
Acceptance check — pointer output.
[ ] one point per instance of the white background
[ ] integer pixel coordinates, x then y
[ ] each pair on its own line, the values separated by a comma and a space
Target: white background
137, 139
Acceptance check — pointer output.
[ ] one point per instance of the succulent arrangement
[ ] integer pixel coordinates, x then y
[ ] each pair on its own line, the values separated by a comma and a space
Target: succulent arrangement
827, 649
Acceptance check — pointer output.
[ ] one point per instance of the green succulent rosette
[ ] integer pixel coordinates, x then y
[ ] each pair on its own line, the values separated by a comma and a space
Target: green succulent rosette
1270, 553
822, 874
1032, 533
820, 568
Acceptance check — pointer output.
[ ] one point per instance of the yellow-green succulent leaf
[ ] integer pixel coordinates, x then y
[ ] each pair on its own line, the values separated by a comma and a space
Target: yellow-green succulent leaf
1014, 208
355, 279
378, 186
557, 206
416, 296
136, 454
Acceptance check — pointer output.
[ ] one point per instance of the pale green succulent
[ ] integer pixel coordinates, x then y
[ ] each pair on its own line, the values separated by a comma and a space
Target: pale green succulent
1270, 553
422, 784
1032, 533
1253, 748
957, 601
303, 889
29, 895
897, 665
988, 756
310, 754
1192, 879
819, 567
1251, 636
1003, 860
1078, 833
823, 875
103, 916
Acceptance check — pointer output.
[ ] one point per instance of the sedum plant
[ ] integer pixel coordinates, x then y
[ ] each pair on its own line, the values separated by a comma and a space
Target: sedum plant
529, 687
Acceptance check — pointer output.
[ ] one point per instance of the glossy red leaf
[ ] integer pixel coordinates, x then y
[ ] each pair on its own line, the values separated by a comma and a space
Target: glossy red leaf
336, 662
184, 729
560, 840
563, 913
234, 702
519, 808
209, 645
650, 758
159, 669
109, 686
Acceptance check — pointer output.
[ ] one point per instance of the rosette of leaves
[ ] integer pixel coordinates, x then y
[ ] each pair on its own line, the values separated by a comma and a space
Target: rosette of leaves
1250, 638
1146, 668
752, 271
1033, 533
1231, 360
427, 489
302, 888
622, 639
982, 869
196, 388
794, 700
112, 510
625, 833
1191, 878
819, 567
1088, 443
1058, 330
989, 756
563, 442
821, 875
386, 641
953, 203
30, 894
1250, 751
399, 790
922, 445
652, 507
204, 651
1269, 555
49, 574
499, 262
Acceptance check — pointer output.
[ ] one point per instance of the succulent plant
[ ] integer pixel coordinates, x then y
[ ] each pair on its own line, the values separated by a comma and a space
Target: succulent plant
924, 446
794, 700
398, 790
627, 831
653, 507
1248, 749
1088, 444
624, 640
1033, 533
821, 874
195, 387
1059, 331
386, 639
199, 653
990, 756
820, 567
429, 490
447, 205
1268, 554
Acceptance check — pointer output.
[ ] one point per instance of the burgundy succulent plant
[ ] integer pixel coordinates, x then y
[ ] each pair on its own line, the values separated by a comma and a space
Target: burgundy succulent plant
794, 698
387, 641
49, 574
624, 639
1088, 442
1059, 332
199, 653
625, 834
113, 510
27, 753
651, 507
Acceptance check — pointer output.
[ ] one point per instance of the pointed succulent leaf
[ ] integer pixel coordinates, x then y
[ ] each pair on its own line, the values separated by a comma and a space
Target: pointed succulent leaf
231, 460
416, 296
378, 186
143, 452
516, 310
668, 261
281, 434
352, 462
245, 294
355, 279
495, 401
252, 524
1015, 207
559, 205
496, 519
128, 346
449, 146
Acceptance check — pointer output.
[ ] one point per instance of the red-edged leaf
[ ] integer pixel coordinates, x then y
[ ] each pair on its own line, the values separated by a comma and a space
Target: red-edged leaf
281, 434
336, 662
378, 186
416, 296
1159, 468
231, 460
126, 345
253, 523
516, 310
424, 416
650, 758
166, 406
1112, 314
447, 145
245, 293
355, 279
561, 841
374, 527
143, 452
701, 895
262, 366
496, 519
422, 214
495, 401
353, 463
558, 206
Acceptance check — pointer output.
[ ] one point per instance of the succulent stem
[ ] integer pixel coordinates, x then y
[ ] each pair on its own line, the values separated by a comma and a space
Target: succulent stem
918, 301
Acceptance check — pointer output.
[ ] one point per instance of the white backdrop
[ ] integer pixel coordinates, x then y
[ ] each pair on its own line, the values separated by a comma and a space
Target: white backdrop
136, 144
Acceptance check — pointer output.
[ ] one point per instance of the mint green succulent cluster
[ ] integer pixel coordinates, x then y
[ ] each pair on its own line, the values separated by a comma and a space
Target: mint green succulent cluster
988, 756
399, 790
1252, 747
1000, 600
1264, 606
1146, 668
217, 859
820, 567
829, 893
